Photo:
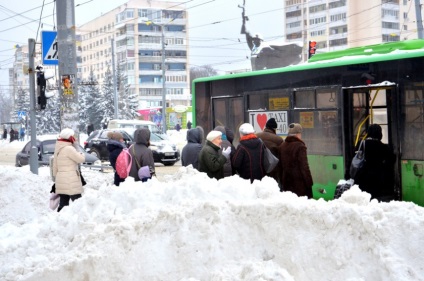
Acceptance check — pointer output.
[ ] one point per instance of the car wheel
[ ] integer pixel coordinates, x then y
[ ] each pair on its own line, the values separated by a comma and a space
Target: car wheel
168, 163
18, 164
95, 152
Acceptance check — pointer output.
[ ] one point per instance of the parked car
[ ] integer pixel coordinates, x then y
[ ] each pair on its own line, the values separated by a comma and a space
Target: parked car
133, 124
164, 151
45, 146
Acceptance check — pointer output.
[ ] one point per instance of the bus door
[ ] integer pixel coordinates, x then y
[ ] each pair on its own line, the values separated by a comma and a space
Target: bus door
227, 112
363, 106
411, 130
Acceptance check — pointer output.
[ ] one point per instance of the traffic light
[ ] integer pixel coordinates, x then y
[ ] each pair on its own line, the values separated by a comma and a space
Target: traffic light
312, 48
41, 82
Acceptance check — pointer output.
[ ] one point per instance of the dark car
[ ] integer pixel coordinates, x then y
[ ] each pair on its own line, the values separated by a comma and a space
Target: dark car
164, 151
45, 146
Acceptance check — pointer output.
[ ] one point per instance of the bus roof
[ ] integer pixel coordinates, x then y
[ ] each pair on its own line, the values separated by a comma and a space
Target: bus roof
351, 56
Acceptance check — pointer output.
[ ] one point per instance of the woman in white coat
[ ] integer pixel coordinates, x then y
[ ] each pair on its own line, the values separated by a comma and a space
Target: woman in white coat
65, 168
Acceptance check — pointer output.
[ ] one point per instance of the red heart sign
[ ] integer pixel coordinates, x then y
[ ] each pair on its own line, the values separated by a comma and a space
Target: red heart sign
261, 119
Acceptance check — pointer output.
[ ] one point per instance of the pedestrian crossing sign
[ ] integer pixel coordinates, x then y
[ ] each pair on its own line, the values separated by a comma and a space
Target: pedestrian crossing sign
21, 114
49, 47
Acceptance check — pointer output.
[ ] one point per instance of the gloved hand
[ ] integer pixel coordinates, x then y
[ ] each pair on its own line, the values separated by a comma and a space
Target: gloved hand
226, 152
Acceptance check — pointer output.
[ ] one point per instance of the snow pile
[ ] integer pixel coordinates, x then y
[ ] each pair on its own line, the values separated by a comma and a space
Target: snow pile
195, 228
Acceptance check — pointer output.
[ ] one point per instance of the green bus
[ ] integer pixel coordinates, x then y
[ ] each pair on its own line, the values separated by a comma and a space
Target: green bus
335, 97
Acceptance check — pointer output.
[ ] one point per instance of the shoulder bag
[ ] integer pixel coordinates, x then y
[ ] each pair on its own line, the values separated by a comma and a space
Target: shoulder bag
270, 161
142, 172
358, 160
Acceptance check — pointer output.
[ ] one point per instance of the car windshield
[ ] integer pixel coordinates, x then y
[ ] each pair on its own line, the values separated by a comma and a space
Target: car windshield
48, 147
158, 137
92, 135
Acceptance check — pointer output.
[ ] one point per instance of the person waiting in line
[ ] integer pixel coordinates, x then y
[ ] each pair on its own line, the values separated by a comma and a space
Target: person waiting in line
272, 142
5, 133
115, 145
211, 160
190, 152
249, 155
12, 135
228, 167
141, 154
90, 129
188, 124
295, 175
377, 175
22, 134
65, 168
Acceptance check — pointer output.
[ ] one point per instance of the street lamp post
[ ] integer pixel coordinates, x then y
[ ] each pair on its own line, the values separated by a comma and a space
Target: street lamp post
163, 82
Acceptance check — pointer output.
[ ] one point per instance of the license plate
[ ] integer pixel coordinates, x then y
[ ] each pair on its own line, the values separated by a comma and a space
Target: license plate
169, 153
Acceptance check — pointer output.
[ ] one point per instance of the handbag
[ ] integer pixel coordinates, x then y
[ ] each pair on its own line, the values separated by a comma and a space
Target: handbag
358, 160
54, 201
270, 161
342, 186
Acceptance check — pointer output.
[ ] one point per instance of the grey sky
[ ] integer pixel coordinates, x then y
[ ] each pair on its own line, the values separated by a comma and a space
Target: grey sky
214, 28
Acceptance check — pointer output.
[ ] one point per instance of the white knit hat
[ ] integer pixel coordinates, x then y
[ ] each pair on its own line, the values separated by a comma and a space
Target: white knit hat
66, 133
246, 129
213, 135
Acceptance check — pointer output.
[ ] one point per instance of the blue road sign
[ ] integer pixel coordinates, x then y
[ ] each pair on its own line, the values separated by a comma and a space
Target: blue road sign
49, 43
21, 114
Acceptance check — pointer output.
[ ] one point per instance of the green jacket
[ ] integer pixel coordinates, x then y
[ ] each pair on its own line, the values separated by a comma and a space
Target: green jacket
211, 161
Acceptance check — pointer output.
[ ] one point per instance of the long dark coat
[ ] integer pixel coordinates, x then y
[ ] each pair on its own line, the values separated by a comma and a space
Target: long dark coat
190, 152
141, 152
211, 161
272, 142
295, 174
248, 159
377, 176
228, 168
114, 147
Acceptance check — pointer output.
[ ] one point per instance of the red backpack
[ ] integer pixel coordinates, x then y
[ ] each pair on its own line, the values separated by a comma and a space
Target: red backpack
123, 163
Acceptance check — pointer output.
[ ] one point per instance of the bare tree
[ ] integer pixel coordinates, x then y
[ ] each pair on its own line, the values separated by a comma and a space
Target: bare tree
6, 106
201, 71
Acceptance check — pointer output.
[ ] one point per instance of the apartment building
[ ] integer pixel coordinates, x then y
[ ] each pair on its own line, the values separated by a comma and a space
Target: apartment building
136, 30
340, 24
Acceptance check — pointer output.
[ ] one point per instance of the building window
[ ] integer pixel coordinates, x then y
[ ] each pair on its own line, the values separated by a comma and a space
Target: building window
318, 33
293, 24
390, 38
390, 25
293, 14
391, 13
338, 42
337, 4
338, 29
318, 8
338, 17
317, 20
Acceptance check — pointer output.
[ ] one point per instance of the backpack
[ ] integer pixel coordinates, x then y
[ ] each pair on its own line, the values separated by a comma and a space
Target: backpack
123, 163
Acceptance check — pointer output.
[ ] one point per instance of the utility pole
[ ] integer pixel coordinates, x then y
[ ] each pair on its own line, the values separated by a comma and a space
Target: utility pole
33, 160
163, 81
67, 55
419, 19
114, 79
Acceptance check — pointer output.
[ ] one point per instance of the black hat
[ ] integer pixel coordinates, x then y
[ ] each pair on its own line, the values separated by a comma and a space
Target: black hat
375, 132
271, 124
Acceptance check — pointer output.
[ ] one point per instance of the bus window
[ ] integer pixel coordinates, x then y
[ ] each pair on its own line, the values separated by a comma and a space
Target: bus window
257, 101
326, 98
413, 135
322, 131
304, 99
